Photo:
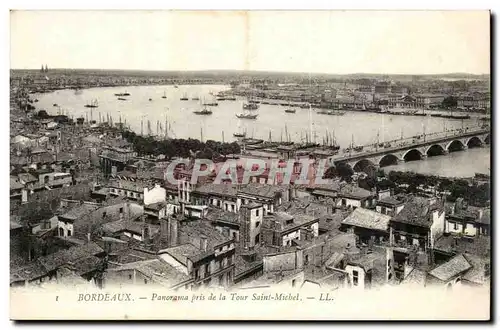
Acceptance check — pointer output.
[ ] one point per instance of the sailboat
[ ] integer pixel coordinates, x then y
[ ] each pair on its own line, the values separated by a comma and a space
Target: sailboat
240, 134
164, 95
184, 97
289, 109
205, 111
196, 98
213, 103
354, 147
92, 104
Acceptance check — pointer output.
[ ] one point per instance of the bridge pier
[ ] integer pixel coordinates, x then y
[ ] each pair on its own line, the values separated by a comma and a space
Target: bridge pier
446, 151
466, 147
401, 161
424, 157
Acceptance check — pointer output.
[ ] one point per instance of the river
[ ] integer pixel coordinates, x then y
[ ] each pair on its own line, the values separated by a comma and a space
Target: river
357, 127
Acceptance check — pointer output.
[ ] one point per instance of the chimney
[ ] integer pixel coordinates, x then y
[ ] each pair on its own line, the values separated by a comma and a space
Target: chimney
165, 231
88, 237
303, 234
173, 225
203, 243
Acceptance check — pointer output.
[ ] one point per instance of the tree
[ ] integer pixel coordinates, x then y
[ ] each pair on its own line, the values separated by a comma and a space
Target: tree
342, 170
449, 102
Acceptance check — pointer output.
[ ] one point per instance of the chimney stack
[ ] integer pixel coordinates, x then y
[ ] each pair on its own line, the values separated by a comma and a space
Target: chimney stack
203, 243
165, 231
173, 225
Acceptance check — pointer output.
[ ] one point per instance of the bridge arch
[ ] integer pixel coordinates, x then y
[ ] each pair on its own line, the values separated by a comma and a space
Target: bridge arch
435, 150
388, 160
473, 142
455, 145
365, 165
487, 139
412, 154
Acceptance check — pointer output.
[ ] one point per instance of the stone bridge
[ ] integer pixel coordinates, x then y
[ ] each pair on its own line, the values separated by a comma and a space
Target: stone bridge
419, 148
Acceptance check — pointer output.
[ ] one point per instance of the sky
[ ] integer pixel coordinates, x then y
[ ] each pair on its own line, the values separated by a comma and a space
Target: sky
337, 42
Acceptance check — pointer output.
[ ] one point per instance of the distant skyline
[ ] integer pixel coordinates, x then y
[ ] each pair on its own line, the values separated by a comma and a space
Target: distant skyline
320, 42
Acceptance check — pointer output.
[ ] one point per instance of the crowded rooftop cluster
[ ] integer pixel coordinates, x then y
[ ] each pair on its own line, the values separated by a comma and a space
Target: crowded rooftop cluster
87, 209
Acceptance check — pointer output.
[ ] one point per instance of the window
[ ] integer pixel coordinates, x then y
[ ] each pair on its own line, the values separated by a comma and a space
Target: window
306, 261
61, 232
221, 280
103, 215
145, 281
232, 208
355, 277
196, 274
257, 212
257, 239
455, 226
235, 236
121, 210
257, 224
130, 276
344, 203
207, 270
69, 232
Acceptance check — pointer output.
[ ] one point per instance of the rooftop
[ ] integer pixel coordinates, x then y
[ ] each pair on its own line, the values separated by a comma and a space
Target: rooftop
479, 245
351, 191
216, 214
79, 211
391, 201
364, 218
417, 211
136, 186
72, 255
182, 252
451, 268
189, 231
157, 270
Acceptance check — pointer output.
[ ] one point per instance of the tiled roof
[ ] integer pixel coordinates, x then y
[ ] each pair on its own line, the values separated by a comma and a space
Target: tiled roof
416, 277
182, 252
79, 211
155, 206
365, 261
218, 189
262, 190
216, 214
364, 218
28, 272
351, 191
477, 273
158, 270
392, 201
136, 186
27, 177
479, 245
190, 230
451, 268
416, 212
14, 184
71, 255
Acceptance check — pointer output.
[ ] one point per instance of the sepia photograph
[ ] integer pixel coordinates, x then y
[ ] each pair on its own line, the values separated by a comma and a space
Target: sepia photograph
250, 165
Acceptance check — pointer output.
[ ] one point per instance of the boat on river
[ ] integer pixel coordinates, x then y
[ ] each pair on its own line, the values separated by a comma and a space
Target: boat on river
247, 116
92, 104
